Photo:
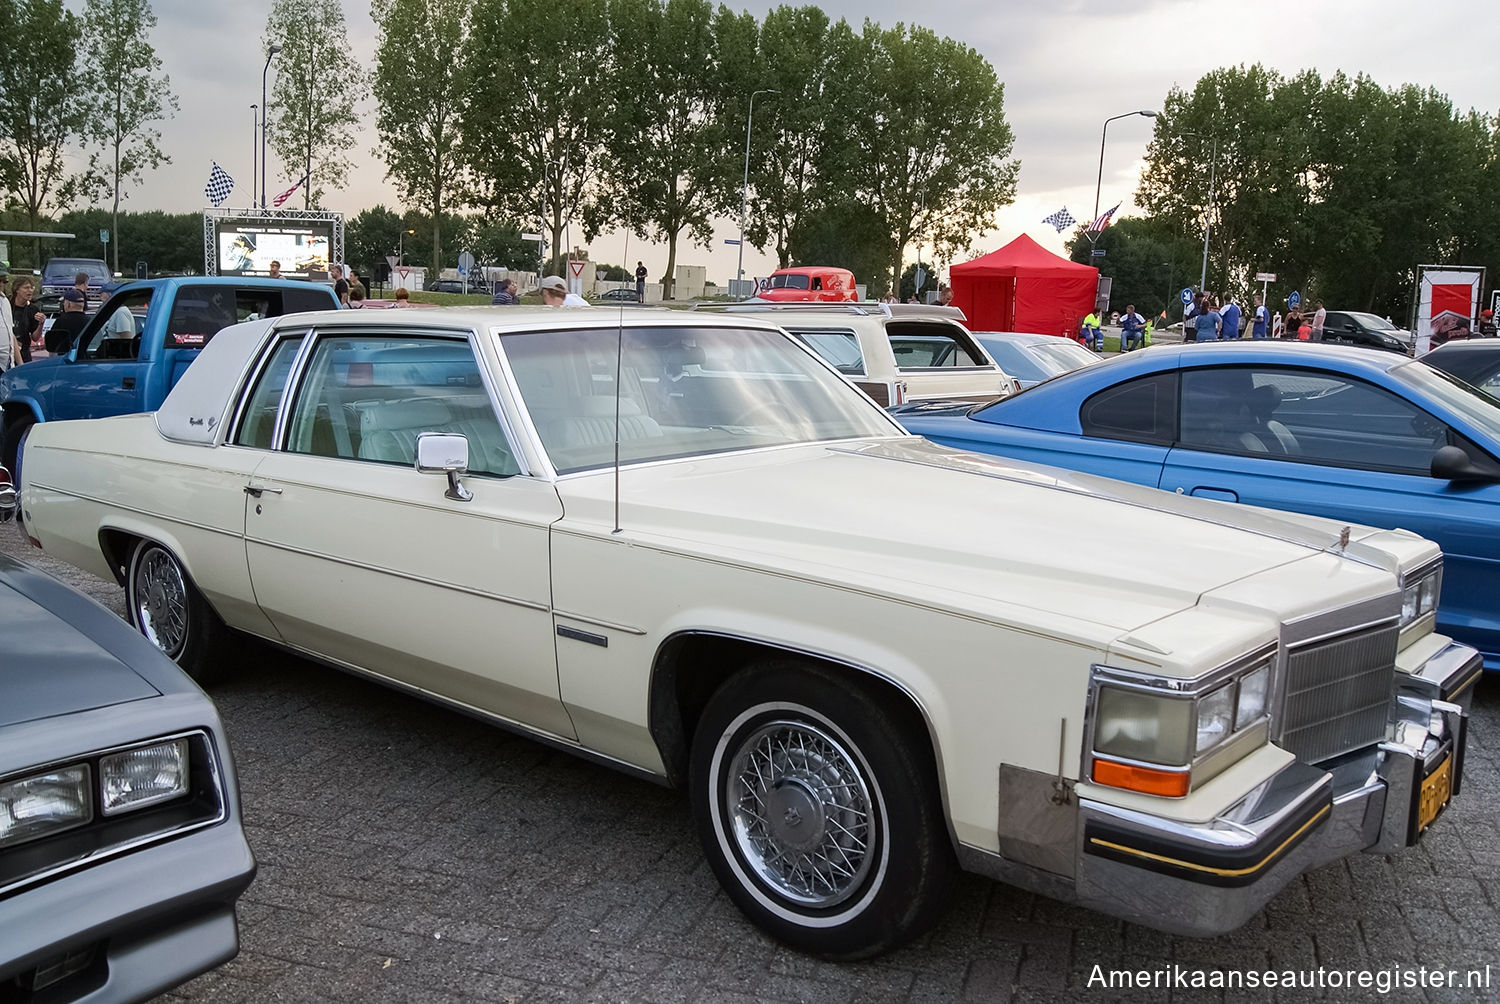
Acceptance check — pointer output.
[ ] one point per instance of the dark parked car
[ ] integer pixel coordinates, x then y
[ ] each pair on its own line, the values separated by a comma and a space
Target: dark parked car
622, 295
121, 852
1350, 327
58, 275
1475, 361
455, 286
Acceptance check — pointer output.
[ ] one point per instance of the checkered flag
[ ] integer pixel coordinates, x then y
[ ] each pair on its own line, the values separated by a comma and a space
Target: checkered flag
1062, 219
220, 184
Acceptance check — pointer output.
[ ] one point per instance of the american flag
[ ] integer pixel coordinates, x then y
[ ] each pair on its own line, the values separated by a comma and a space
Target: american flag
1103, 221
220, 184
276, 202
1062, 219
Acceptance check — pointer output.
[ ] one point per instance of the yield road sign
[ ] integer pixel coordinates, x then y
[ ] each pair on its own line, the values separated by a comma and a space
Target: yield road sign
402, 274
576, 267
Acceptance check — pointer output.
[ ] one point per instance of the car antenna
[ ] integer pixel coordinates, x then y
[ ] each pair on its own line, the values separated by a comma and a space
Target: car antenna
619, 356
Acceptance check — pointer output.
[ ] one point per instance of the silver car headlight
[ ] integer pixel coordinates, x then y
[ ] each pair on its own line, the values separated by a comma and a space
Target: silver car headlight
143, 776
46, 803
1419, 594
1161, 735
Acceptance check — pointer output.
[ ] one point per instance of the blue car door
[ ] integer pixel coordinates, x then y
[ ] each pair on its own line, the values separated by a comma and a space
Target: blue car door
1330, 445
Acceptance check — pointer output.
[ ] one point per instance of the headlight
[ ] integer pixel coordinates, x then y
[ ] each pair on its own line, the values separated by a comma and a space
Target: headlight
143, 776
1149, 734
43, 804
1419, 597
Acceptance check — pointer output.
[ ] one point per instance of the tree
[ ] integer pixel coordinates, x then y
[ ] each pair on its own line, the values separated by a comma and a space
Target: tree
310, 123
122, 73
370, 235
534, 138
793, 127
494, 239
671, 159
1147, 259
929, 147
845, 233
42, 106
422, 84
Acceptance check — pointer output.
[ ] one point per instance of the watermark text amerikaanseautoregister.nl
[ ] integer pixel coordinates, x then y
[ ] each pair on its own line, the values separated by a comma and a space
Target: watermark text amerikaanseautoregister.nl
1382, 980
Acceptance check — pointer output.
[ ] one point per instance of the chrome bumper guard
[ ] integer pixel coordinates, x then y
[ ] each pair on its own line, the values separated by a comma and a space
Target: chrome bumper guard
1210, 878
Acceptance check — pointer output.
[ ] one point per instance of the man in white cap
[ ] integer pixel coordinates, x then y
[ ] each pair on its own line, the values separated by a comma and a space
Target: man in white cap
555, 294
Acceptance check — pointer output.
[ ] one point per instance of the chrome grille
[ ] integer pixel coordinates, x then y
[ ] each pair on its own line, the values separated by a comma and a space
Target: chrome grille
1337, 694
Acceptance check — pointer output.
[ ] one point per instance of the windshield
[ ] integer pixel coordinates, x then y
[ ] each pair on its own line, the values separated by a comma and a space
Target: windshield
788, 282
1469, 401
684, 391
1019, 364
58, 271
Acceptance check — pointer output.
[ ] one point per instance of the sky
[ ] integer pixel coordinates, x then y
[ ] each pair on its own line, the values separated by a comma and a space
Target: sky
1067, 65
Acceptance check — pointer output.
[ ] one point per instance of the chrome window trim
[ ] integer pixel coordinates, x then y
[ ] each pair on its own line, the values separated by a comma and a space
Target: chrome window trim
94, 857
264, 354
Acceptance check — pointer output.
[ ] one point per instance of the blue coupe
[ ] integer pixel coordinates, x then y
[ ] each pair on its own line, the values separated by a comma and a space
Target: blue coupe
1368, 437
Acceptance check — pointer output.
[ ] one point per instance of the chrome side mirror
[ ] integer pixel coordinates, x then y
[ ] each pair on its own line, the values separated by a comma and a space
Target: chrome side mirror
445, 453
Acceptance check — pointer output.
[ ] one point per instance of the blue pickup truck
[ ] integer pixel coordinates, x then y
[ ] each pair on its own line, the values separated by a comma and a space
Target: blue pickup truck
133, 350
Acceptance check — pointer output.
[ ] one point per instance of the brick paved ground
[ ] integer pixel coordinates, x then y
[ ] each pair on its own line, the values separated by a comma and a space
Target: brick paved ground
408, 853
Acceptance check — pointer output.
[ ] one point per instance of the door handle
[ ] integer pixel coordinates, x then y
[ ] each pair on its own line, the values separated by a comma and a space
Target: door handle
128, 383
257, 490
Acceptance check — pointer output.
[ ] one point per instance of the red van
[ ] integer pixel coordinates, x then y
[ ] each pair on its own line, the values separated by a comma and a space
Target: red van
816, 283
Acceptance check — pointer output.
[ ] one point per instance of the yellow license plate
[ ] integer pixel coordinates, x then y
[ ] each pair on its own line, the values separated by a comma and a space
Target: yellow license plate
1436, 790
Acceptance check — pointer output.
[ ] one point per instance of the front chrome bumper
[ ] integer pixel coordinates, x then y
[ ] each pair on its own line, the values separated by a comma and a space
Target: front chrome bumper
1210, 878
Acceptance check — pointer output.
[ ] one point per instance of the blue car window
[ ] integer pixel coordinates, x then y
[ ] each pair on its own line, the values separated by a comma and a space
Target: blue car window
1309, 417
1141, 411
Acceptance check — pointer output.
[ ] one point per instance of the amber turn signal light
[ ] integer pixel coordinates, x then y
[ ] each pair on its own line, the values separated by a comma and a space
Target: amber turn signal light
1147, 780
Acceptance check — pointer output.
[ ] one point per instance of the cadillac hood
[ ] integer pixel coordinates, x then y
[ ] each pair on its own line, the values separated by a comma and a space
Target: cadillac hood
988, 537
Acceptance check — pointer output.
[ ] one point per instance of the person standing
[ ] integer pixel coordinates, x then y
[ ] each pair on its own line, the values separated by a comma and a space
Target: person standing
1229, 327
1486, 327
10, 350
1207, 322
1258, 326
26, 318
68, 325
640, 282
1132, 329
340, 284
1319, 316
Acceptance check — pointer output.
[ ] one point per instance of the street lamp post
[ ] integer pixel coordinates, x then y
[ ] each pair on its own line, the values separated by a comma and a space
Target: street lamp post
1208, 213
254, 154
739, 272
271, 50
1099, 185
401, 245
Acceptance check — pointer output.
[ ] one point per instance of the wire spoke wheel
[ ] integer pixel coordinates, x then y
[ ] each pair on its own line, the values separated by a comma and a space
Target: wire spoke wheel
801, 812
160, 601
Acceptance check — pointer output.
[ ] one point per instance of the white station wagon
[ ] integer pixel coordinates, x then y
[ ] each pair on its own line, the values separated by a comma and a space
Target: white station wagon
682, 545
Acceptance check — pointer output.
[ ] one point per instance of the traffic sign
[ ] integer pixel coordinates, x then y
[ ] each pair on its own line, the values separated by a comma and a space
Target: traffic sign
465, 263
1294, 299
390, 262
576, 267
532, 237
1187, 296
1265, 277
104, 237
402, 273
731, 241
1097, 253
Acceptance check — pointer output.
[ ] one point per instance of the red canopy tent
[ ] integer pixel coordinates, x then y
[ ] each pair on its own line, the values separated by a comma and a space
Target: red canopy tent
1024, 287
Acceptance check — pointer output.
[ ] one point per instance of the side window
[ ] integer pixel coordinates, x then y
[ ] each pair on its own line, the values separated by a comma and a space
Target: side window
1142, 411
258, 421
1310, 417
295, 301
918, 345
368, 397
115, 330
839, 348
